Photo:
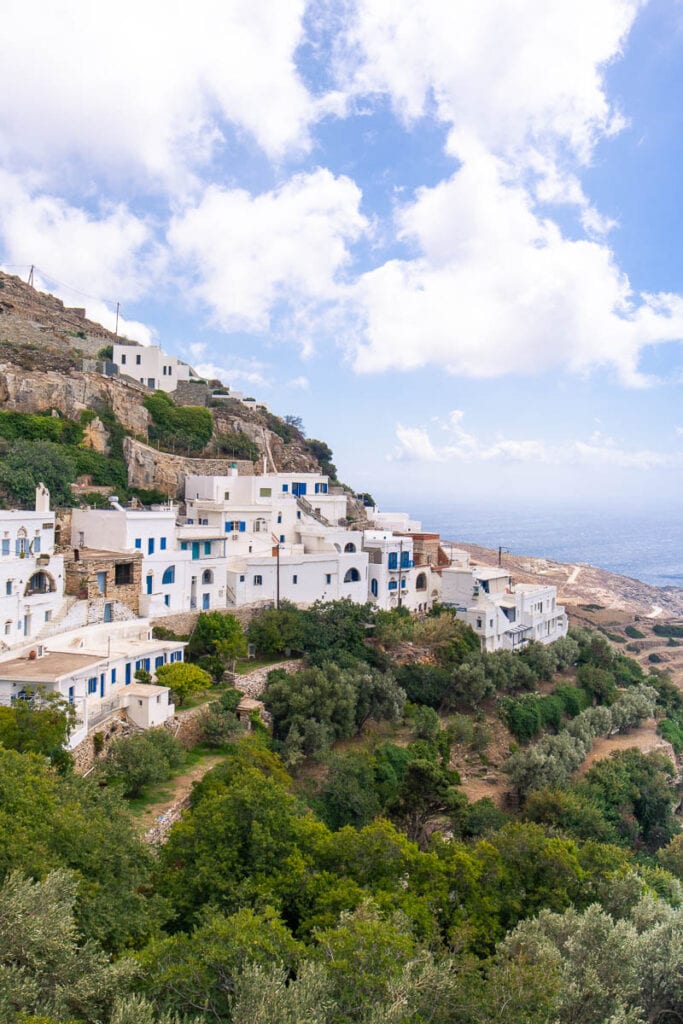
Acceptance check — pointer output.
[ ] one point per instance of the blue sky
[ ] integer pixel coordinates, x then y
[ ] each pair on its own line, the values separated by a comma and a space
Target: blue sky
447, 234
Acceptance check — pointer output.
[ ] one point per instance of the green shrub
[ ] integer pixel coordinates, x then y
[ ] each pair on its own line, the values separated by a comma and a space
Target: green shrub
667, 629
187, 426
238, 445
634, 633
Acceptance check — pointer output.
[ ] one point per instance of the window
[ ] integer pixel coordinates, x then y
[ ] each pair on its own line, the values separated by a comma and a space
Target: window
207, 576
8, 587
233, 525
123, 574
36, 545
113, 676
479, 621
282, 538
149, 583
285, 488
298, 514
167, 600
158, 661
265, 492
405, 559
421, 581
150, 545
206, 601
352, 576
92, 685
164, 371
108, 613
295, 579
279, 517
123, 359
162, 544
207, 547
393, 585
226, 495
374, 589
258, 581
138, 543
350, 547
183, 545
138, 360
48, 616
403, 584
393, 560
169, 575
5, 546
8, 628
241, 579
102, 582
328, 578
21, 546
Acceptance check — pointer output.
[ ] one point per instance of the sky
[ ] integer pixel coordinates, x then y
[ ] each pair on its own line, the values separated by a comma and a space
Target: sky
447, 235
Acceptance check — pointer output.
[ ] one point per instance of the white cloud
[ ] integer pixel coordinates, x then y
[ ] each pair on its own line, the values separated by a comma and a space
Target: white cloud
238, 372
515, 76
150, 86
496, 289
110, 256
249, 253
299, 383
415, 444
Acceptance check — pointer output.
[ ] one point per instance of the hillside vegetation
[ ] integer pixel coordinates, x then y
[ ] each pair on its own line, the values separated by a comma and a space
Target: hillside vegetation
337, 873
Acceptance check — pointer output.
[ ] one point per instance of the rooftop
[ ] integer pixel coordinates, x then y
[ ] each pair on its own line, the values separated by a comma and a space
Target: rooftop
48, 668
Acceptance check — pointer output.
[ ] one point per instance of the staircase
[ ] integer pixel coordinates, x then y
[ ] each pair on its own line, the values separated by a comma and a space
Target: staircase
70, 616
306, 507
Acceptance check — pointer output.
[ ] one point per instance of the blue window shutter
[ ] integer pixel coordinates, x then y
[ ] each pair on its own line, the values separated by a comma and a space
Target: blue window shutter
207, 547
36, 546
162, 543
228, 527
183, 545
243, 527
150, 546
5, 546
138, 542
393, 560
285, 487
17, 547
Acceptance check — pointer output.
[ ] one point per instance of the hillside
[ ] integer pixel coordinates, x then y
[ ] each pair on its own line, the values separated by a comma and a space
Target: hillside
49, 365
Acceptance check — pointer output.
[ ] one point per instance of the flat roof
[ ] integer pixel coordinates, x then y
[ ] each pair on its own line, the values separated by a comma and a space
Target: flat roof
113, 554
490, 572
47, 669
145, 689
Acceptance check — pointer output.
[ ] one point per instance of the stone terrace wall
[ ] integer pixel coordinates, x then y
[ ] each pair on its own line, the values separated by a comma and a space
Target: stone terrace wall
149, 468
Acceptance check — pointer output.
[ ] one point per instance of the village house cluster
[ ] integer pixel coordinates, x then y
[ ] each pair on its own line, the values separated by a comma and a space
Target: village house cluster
76, 616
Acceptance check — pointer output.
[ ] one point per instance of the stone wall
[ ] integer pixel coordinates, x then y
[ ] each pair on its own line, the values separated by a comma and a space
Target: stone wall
111, 729
81, 578
183, 623
149, 468
192, 392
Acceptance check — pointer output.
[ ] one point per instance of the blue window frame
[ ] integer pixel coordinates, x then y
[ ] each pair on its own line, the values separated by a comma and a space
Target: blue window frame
207, 545
206, 598
149, 582
138, 543
228, 527
92, 685
8, 587
374, 589
150, 545
129, 673
5, 546
167, 600
282, 538
279, 517
393, 585
285, 488
162, 543
158, 661
71, 694
243, 526
183, 545
102, 684
169, 575
113, 677
405, 559
393, 559
36, 546
403, 584
328, 578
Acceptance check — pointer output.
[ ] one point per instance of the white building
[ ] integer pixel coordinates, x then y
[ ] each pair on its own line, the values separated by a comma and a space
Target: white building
505, 616
151, 366
94, 669
31, 575
394, 579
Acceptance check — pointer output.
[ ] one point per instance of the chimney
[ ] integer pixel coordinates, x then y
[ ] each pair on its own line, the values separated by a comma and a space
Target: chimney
42, 498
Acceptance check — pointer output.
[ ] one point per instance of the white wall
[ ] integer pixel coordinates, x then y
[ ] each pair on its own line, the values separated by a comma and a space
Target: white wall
151, 366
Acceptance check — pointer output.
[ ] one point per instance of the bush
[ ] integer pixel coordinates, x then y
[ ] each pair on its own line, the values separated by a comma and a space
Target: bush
426, 723
634, 633
142, 760
238, 445
219, 722
187, 426
183, 679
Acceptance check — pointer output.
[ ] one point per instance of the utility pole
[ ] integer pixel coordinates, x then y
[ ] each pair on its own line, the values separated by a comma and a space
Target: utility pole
30, 277
501, 549
116, 329
276, 552
400, 573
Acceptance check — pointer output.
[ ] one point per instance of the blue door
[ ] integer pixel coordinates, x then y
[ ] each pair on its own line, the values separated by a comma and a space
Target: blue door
195, 550
205, 601
107, 613
102, 685
149, 583
128, 671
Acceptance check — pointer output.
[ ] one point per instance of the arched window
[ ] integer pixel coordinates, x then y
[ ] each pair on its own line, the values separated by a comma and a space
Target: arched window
374, 589
352, 576
207, 576
40, 583
421, 581
350, 547
169, 575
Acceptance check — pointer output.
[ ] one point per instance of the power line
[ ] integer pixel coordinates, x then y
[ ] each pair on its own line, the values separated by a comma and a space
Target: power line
54, 280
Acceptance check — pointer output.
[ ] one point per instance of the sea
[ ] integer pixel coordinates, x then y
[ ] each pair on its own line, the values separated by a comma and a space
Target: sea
646, 545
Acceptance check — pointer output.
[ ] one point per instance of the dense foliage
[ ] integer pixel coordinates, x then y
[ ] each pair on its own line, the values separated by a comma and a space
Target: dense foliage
180, 427
366, 889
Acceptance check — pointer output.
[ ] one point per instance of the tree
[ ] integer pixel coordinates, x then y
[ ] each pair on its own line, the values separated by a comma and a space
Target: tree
318, 703
184, 680
39, 725
28, 463
212, 627
348, 795
44, 969
219, 721
142, 760
275, 630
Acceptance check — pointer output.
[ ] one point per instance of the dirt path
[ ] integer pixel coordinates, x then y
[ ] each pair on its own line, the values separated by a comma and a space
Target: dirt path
645, 738
177, 790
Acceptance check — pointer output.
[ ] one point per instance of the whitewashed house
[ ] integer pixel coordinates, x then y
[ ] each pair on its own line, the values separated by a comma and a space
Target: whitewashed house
31, 574
505, 616
151, 366
394, 579
94, 670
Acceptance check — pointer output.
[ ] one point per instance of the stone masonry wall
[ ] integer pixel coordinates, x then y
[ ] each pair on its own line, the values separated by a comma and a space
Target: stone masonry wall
149, 468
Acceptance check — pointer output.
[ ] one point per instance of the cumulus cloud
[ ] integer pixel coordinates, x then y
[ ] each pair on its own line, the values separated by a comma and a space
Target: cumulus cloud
299, 383
416, 445
287, 246
237, 372
150, 87
496, 288
42, 229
